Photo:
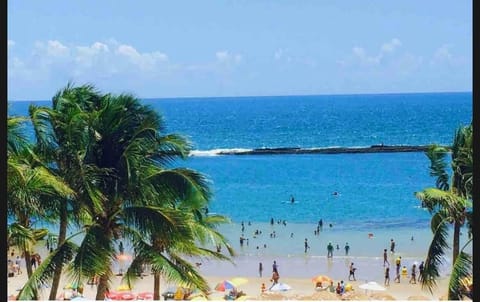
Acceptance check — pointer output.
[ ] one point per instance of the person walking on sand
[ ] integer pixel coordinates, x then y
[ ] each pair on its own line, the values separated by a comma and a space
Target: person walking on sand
275, 277
385, 258
413, 278
420, 271
306, 245
398, 262
387, 276
260, 269
329, 250
352, 273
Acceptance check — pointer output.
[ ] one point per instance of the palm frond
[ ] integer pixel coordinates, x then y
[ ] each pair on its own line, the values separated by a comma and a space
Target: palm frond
438, 166
169, 222
20, 236
44, 272
462, 269
436, 251
94, 255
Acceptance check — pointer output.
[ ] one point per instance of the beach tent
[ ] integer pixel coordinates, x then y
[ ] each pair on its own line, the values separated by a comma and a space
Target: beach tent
280, 287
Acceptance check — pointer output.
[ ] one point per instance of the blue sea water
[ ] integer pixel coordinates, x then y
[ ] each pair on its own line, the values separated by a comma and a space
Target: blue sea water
374, 189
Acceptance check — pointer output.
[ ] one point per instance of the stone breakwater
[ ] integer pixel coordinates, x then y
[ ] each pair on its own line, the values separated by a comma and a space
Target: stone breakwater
330, 150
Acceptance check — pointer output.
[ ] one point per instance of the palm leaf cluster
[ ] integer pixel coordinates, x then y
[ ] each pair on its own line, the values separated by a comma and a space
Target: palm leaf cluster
450, 203
112, 153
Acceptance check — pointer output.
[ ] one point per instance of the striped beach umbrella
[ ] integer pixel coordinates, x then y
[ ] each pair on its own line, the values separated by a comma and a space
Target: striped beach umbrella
224, 285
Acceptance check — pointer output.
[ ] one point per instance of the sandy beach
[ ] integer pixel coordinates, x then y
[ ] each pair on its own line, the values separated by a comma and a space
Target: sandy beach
302, 288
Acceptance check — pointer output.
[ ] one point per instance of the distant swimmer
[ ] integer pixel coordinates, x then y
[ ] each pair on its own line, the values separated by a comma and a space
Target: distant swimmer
335, 193
292, 199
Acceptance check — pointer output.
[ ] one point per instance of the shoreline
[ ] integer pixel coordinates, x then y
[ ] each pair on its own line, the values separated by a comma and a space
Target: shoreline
295, 269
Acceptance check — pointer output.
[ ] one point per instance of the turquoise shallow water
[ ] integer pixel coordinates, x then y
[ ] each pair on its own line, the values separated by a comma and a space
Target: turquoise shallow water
376, 191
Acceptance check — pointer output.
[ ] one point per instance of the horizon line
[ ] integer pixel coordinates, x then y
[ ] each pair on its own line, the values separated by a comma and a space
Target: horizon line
260, 96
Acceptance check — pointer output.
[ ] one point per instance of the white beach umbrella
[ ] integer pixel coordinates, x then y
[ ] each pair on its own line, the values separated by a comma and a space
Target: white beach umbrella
280, 287
372, 285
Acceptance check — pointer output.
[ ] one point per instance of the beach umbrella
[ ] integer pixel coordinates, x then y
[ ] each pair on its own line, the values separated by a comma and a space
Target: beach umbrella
372, 285
145, 296
238, 281
123, 287
127, 296
322, 278
124, 257
224, 285
280, 287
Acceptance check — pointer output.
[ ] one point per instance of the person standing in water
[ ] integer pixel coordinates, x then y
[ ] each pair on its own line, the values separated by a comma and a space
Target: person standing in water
306, 245
260, 269
329, 250
292, 199
347, 248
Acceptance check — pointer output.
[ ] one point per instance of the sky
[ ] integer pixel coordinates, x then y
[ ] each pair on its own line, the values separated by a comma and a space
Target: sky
166, 49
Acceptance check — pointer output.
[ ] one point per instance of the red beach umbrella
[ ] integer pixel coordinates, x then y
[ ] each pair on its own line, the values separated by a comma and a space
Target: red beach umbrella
127, 296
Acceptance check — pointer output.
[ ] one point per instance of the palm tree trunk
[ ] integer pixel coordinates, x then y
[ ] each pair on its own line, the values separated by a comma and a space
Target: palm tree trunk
102, 287
156, 287
62, 234
456, 240
28, 264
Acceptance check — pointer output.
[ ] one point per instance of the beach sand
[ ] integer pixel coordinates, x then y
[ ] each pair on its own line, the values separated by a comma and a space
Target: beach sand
302, 288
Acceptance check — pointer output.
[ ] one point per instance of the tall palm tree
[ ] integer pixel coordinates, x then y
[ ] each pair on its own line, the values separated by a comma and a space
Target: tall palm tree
449, 203
118, 167
63, 136
139, 189
29, 185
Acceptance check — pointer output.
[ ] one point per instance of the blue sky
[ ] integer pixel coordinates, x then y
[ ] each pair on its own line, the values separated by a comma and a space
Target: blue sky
238, 48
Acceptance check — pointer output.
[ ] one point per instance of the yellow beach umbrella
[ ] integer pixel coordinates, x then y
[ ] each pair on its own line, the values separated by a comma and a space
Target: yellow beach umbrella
123, 287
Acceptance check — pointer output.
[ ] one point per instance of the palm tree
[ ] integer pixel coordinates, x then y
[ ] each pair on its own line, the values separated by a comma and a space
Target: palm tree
138, 190
166, 254
29, 184
63, 139
111, 150
449, 203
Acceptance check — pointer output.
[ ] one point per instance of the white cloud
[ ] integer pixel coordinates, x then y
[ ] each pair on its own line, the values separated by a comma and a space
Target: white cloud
55, 48
226, 57
390, 46
361, 57
143, 60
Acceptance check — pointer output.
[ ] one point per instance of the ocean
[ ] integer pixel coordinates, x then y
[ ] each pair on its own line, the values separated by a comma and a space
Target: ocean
375, 191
